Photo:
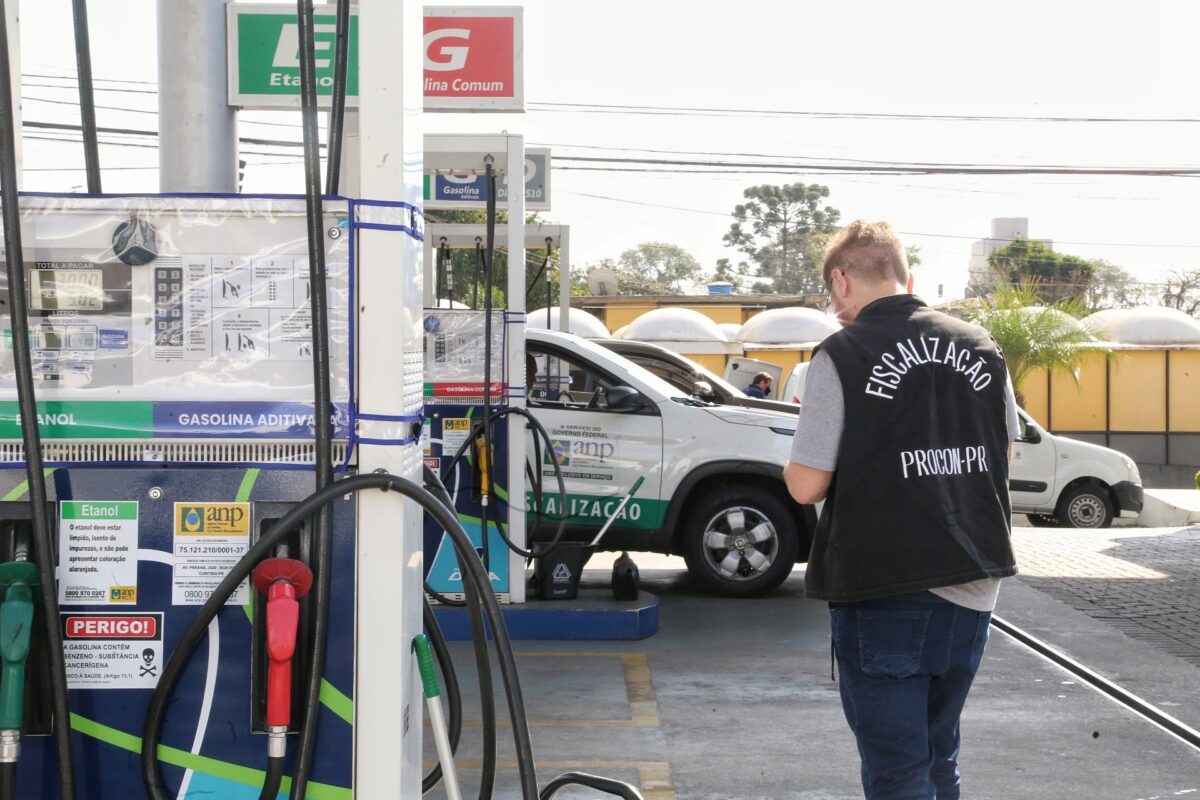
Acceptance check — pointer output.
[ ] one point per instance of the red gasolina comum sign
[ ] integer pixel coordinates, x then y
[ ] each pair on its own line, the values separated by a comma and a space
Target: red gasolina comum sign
474, 58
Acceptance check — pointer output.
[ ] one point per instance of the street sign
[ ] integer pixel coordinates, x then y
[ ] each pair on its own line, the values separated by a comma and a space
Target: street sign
473, 57
452, 191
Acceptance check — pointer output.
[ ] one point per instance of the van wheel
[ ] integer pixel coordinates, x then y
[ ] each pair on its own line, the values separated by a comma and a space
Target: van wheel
740, 542
1043, 520
1085, 507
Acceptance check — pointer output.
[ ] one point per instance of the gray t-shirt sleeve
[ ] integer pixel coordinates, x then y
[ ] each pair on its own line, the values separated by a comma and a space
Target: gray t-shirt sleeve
822, 417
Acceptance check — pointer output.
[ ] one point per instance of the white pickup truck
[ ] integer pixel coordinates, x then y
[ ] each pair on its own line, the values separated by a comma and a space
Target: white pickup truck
713, 489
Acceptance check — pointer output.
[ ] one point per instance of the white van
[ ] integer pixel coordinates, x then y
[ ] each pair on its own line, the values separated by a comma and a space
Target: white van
1060, 481
793, 387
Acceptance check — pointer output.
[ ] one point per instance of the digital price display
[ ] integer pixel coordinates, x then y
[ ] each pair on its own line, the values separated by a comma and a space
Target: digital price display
66, 290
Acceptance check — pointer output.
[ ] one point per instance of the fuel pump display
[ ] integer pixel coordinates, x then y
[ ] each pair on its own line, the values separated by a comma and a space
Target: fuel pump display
206, 334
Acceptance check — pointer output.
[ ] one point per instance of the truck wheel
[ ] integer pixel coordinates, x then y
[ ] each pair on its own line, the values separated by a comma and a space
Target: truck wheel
1043, 520
1085, 507
740, 542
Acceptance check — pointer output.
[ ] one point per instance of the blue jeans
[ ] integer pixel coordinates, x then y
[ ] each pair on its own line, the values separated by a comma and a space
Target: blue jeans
905, 665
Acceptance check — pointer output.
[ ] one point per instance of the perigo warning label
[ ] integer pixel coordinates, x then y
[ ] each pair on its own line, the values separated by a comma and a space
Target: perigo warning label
112, 651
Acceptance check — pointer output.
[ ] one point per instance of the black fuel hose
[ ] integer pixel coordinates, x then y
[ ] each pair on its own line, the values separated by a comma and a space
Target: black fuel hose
270, 788
480, 267
322, 539
440, 268
196, 631
483, 662
473, 574
488, 277
606, 785
8, 781
434, 484
337, 111
30, 436
532, 552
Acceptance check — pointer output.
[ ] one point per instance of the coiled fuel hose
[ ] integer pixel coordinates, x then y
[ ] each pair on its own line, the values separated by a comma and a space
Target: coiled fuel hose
473, 573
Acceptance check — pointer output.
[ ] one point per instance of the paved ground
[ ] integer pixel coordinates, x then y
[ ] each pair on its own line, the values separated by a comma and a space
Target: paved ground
733, 700
1144, 582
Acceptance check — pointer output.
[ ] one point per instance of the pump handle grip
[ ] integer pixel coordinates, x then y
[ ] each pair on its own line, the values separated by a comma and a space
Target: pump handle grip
283, 619
16, 622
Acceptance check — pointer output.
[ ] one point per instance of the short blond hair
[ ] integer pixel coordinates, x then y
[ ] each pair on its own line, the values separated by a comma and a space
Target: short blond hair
869, 250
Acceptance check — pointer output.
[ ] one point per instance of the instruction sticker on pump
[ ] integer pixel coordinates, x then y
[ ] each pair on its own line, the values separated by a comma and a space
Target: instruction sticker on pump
98, 540
455, 431
112, 651
209, 540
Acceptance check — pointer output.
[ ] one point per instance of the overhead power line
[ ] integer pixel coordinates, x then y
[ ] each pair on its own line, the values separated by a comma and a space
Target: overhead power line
614, 108
618, 108
64, 126
151, 112
899, 168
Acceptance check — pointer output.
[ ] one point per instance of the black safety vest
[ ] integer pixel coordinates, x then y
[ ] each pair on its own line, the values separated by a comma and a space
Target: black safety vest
919, 496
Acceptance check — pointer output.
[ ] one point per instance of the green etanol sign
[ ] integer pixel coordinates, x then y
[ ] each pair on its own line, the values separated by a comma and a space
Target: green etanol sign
264, 46
82, 420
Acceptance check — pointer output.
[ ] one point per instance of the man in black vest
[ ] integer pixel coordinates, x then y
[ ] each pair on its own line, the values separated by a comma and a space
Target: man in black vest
905, 432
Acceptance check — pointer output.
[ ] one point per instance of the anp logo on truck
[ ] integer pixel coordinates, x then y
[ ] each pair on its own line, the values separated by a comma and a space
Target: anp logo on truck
111, 627
212, 519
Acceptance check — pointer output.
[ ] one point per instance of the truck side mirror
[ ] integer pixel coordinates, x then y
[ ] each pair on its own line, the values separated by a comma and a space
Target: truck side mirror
703, 390
624, 398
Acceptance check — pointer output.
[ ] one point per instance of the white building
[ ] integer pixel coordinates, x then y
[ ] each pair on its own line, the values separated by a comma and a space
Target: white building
1005, 231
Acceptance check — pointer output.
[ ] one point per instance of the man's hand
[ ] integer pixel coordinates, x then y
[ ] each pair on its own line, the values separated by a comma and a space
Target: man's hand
806, 484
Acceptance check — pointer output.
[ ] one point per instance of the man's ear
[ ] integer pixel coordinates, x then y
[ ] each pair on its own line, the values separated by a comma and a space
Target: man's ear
841, 280
910, 283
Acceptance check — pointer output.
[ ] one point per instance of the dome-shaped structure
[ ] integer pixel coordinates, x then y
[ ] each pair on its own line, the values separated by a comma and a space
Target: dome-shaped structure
1144, 325
619, 333
1064, 320
579, 322
787, 326
730, 329
674, 325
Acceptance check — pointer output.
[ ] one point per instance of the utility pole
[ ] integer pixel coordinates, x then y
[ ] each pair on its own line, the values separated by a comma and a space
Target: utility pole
197, 129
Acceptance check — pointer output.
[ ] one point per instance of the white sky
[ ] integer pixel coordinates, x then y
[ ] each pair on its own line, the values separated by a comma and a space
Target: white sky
1017, 58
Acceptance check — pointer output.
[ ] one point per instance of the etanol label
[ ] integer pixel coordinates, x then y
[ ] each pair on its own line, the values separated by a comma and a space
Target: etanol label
98, 540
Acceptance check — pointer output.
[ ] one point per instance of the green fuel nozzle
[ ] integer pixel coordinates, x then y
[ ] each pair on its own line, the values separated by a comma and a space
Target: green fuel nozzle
17, 579
429, 679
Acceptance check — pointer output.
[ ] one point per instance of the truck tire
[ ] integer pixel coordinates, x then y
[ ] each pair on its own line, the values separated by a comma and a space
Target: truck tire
739, 541
1085, 506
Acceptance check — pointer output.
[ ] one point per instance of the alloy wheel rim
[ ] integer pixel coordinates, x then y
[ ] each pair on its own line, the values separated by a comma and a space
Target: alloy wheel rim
740, 543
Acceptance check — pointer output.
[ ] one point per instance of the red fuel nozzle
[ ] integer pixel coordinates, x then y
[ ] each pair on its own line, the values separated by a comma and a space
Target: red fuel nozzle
284, 581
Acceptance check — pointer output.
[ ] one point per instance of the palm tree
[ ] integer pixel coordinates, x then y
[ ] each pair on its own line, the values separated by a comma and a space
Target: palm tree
1034, 336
